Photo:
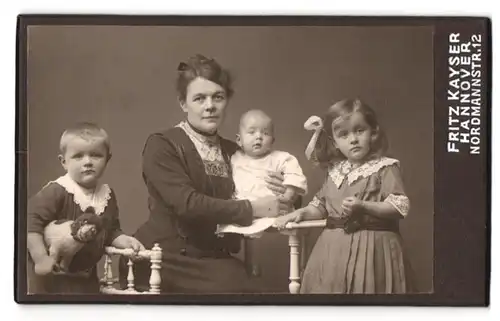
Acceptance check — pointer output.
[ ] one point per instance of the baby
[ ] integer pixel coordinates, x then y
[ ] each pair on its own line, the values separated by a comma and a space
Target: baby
62, 231
251, 165
256, 158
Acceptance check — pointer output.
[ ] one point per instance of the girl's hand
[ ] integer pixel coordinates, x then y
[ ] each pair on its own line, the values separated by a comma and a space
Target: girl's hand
275, 183
352, 205
295, 217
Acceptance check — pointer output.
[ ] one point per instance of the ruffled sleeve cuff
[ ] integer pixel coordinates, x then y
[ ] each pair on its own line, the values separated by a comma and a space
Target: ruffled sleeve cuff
400, 203
319, 204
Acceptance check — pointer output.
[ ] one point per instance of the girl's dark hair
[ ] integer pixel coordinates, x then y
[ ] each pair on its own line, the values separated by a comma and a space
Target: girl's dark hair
325, 151
201, 66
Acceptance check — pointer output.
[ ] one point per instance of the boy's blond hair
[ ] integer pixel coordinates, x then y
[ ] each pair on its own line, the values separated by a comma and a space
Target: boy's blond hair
86, 131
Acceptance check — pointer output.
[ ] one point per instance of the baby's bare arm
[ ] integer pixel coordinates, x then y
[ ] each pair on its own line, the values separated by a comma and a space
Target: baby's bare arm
291, 193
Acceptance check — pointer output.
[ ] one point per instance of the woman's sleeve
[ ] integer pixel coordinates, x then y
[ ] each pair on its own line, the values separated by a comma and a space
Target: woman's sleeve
114, 229
163, 169
392, 189
44, 207
319, 200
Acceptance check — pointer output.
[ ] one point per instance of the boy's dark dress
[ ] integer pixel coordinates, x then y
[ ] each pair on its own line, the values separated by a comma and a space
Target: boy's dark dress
188, 197
54, 202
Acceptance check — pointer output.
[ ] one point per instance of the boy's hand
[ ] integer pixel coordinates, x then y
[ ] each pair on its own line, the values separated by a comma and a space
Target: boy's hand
128, 242
45, 265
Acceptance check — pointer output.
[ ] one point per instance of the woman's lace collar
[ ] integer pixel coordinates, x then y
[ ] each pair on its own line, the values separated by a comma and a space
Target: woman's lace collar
98, 199
345, 169
208, 147
204, 139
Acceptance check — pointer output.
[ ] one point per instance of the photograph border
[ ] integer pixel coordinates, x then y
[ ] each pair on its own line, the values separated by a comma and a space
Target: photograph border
461, 264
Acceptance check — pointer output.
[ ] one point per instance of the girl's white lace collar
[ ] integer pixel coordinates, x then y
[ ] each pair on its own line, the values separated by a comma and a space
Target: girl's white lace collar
345, 169
97, 199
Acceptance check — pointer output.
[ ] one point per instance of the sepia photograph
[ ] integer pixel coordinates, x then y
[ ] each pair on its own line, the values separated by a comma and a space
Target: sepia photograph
205, 158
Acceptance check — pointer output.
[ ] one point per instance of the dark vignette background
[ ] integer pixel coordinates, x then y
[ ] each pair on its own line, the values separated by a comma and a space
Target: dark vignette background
122, 77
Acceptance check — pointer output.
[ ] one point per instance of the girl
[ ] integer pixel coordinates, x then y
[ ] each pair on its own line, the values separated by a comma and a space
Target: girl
85, 153
362, 199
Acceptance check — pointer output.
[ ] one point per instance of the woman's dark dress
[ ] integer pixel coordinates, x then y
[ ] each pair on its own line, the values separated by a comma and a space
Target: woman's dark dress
189, 194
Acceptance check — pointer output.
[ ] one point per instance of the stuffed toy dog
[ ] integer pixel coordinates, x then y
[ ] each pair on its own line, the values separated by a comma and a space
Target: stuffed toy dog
64, 238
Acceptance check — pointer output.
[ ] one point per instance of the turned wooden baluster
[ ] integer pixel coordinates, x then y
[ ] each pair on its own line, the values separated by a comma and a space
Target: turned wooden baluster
105, 267
104, 277
155, 279
293, 243
155, 257
130, 276
109, 271
294, 238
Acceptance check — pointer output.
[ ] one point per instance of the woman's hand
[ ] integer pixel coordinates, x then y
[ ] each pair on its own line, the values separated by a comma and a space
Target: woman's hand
352, 205
268, 206
295, 217
275, 183
286, 195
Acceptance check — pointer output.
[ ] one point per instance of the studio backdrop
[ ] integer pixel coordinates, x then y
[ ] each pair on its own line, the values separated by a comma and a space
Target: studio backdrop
123, 78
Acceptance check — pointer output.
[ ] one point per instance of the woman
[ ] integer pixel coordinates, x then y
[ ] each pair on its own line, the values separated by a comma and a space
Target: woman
188, 176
